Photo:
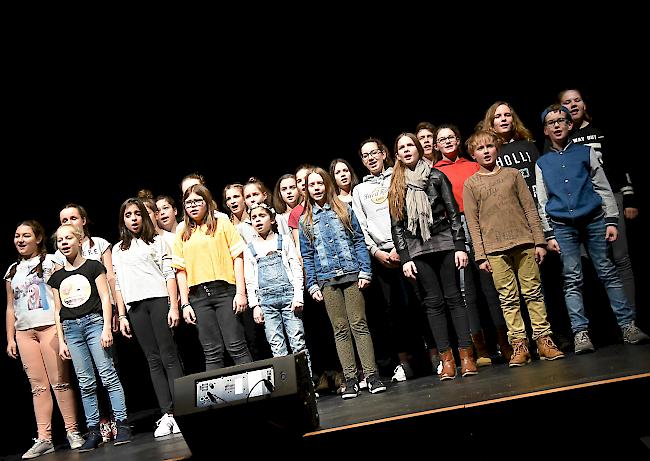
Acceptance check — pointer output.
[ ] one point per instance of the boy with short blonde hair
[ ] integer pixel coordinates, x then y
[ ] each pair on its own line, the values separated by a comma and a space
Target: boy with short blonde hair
509, 243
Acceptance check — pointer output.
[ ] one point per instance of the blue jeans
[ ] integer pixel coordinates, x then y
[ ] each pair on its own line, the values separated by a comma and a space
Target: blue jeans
592, 235
276, 295
83, 337
279, 318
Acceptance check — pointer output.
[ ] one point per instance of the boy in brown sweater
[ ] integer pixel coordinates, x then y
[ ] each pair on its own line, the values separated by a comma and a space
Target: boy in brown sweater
509, 243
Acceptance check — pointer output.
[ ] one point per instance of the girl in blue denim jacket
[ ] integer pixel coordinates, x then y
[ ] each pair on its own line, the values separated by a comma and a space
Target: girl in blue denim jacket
337, 267
274, 283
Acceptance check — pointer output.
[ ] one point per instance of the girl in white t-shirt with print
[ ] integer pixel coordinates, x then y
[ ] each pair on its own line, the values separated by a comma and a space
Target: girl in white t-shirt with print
31, 332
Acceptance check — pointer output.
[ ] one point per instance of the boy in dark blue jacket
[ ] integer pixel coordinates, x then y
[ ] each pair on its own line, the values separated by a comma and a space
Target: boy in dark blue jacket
577, 206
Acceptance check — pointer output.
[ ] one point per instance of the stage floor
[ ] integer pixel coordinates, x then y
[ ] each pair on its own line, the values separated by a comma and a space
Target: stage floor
493, 384
424, 398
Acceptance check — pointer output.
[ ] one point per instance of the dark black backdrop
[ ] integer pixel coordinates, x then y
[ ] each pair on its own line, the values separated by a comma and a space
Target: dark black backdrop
93, 131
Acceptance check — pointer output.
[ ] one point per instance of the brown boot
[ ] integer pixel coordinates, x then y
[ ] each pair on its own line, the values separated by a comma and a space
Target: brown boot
520, 354
448, 365
467, 363
502, 341
481, 349
547, 349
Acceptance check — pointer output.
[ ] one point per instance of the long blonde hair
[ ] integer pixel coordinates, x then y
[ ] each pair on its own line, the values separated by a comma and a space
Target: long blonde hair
340, 208
397, 190
519, 130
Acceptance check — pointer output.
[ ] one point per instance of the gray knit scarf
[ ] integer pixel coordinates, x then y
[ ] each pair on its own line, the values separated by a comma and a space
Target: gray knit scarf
418, 209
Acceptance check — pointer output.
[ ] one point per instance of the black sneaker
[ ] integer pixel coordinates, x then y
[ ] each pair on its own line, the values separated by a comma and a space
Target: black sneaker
123, 433
351, 389
375, 386
93, 440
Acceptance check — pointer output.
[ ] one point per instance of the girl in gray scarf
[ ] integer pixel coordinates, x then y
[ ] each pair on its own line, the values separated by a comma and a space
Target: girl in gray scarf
429, 237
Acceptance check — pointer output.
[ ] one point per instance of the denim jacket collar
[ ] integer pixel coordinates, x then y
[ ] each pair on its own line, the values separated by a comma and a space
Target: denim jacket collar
318, 209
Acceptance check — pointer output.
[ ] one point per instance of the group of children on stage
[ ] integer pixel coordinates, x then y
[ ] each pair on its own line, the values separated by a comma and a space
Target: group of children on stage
452, 228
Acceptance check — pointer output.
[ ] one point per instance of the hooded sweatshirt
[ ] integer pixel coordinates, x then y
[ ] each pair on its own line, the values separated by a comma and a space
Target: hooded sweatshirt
370, 205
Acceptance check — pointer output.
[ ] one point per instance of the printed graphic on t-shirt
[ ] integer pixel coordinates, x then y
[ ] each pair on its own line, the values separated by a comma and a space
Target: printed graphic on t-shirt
33, 289
92, 253
514, 160
74, 291
521, 160
378, 195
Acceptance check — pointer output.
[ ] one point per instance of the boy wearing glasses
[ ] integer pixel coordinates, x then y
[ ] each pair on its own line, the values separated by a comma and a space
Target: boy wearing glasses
577, 206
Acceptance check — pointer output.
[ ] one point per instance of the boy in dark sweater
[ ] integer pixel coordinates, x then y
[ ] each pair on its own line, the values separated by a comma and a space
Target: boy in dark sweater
577, 206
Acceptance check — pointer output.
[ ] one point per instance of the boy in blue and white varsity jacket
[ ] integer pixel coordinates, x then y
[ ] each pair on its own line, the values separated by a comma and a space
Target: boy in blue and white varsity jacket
577, 206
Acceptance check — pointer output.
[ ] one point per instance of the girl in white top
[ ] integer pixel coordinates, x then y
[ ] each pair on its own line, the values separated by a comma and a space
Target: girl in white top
233, 197
286, 196
152, 209
345, 178
274, 283
31, 330
256, 192
146, 289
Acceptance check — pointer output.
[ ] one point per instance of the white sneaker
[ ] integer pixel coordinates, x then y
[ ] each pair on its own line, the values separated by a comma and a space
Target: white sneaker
164, 426
363, 384
75, 439
175, 428
399, 375
40, 447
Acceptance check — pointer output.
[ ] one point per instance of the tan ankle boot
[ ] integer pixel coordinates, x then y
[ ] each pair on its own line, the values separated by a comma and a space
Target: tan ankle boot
482, 354
467, 363
502, 341
448, 365
520, 354
547, 349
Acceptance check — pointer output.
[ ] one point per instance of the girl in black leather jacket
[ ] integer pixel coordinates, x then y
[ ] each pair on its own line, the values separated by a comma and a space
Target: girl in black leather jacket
429, 237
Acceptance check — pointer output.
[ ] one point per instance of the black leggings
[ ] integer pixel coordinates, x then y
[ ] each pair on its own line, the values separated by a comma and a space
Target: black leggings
149, 322
476, 279
437, 286
218, 325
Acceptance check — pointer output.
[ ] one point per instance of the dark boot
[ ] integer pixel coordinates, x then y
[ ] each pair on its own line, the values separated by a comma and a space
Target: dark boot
123, 433
481, 349
435, 359
93, 440
448, 365
502, 341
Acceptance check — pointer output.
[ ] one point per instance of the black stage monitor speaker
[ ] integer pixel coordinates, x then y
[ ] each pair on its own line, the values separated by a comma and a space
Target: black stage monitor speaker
268, 400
